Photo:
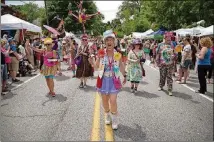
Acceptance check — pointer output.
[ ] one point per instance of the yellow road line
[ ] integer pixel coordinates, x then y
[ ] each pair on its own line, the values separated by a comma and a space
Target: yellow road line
108, 132
95, 134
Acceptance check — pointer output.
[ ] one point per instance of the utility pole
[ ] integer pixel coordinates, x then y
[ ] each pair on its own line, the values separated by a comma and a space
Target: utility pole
46, 11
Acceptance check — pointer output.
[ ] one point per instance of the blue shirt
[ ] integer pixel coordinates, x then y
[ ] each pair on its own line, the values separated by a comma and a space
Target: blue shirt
13, 48
206, 60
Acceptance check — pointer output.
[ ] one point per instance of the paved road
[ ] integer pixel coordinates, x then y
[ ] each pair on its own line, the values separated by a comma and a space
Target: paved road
27, 113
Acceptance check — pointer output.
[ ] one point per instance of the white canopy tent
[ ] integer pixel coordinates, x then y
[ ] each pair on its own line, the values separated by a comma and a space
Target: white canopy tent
192, 31
142, 35
10, 22
197, 30
207, 31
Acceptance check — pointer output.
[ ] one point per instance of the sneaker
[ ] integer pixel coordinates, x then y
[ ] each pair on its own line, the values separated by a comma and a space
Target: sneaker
53, 94
198, 91
160, 89
170, 93
132, 89
107, 118
81, 85
15, 80
85, 86
114, 122
135, 90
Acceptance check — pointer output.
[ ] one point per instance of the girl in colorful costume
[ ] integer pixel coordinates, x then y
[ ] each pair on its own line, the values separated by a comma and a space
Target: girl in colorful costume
109, 65
49, 68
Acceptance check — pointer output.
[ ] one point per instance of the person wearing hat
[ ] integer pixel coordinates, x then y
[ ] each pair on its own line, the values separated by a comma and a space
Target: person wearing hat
49, 68
84, 69
109, 65
165, 61
134, 67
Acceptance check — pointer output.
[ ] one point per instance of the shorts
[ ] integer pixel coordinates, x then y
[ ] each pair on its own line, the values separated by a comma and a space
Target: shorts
50, 76
14, 65
4, 75
186, 64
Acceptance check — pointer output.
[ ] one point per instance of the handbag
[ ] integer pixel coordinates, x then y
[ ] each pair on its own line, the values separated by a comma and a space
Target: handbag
99, 82
78, 60
117, 82
143, 71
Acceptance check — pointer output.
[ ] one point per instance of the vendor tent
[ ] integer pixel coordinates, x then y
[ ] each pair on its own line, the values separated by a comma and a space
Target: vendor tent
197, 30
9, 22
207, 31
141, 35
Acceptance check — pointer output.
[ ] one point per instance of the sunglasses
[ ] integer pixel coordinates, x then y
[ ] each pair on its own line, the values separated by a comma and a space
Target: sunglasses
48, 44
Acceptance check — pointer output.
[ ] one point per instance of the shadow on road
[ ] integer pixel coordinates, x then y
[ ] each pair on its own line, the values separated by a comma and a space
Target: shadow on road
89, 89
141, 93
62, 78
182, 96
9, 95
193, 77
58, 97
128, 133
193, 85
144, 82
146, 95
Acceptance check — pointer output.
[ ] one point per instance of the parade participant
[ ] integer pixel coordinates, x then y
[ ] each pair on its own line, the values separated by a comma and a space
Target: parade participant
123, 50
204, 64
135, 68
109, 65
164, 60
84, 68
49, 68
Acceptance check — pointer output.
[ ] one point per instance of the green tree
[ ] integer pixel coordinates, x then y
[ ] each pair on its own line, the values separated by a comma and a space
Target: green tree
32, 12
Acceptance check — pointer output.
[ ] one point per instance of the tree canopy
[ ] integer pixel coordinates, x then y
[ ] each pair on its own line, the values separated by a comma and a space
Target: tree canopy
32, 12
141, 15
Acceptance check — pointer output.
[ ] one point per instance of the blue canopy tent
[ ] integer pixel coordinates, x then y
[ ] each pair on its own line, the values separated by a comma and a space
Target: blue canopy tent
157, 34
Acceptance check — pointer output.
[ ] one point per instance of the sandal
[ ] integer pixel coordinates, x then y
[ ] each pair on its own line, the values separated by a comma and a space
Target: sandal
53, 94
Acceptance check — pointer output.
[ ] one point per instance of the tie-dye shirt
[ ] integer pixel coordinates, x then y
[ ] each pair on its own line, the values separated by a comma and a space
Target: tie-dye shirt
166, 54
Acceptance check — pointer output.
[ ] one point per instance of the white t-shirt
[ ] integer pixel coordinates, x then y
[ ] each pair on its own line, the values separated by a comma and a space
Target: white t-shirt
187, 50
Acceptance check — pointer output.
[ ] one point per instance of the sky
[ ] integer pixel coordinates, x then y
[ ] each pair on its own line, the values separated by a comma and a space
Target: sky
107, 8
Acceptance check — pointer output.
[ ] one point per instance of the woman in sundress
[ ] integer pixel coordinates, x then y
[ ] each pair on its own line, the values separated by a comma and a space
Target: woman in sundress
134, 68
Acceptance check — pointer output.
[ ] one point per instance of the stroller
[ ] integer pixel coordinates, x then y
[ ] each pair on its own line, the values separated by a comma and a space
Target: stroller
25, 67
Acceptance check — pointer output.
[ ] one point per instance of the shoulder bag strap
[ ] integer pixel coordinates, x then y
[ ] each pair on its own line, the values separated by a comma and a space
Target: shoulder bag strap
139, 59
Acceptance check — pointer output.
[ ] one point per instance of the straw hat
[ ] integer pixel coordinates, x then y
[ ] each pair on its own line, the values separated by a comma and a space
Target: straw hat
48, 41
